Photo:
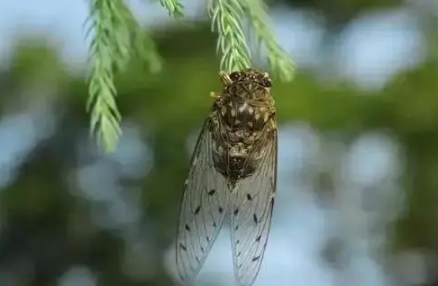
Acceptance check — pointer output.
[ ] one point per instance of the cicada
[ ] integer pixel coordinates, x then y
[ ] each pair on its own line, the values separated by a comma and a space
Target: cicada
233, 174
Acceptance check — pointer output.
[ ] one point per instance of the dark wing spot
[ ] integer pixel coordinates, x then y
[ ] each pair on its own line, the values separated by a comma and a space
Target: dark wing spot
198, 208
236, 211
221, 210
202, 249
249, 197
239, 253
183, 247
211, 192
208, 239
255, 218
236, 227
214, 224
237, 241
258, 238
255, 258
187, 227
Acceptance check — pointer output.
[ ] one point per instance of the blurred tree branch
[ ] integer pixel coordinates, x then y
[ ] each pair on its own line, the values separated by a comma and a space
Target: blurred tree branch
115, 38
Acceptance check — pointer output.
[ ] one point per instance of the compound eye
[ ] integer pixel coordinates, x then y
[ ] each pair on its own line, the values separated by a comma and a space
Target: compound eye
266, 82
234, 76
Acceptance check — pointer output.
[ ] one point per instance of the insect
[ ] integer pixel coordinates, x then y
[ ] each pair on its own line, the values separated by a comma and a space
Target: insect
233, 174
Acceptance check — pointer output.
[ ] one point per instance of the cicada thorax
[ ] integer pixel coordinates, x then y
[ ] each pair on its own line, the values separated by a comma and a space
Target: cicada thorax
239, 137
245, 115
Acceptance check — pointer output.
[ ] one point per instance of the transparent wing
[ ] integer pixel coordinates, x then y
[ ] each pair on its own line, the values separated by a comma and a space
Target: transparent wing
252, 204
203, 207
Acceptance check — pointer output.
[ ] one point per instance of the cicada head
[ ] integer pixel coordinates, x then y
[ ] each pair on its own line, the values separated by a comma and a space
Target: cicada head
247, 84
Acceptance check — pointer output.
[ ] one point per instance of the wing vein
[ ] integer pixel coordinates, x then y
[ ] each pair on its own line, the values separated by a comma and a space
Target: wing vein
253, 198
200, 218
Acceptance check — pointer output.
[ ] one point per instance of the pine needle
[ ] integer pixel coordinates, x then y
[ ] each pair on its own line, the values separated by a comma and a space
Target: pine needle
116, 36
279, 61
225, 16
174, 8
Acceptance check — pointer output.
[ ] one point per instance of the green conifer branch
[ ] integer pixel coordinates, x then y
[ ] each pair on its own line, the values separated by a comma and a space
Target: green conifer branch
225, 17
116, 37
174, 8
278, 59
107, 51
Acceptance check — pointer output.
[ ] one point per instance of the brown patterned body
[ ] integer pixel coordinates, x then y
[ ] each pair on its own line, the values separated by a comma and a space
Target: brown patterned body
243, 120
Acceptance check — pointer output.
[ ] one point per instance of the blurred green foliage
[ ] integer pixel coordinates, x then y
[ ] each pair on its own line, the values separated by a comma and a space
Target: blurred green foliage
44, 221
339, 13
